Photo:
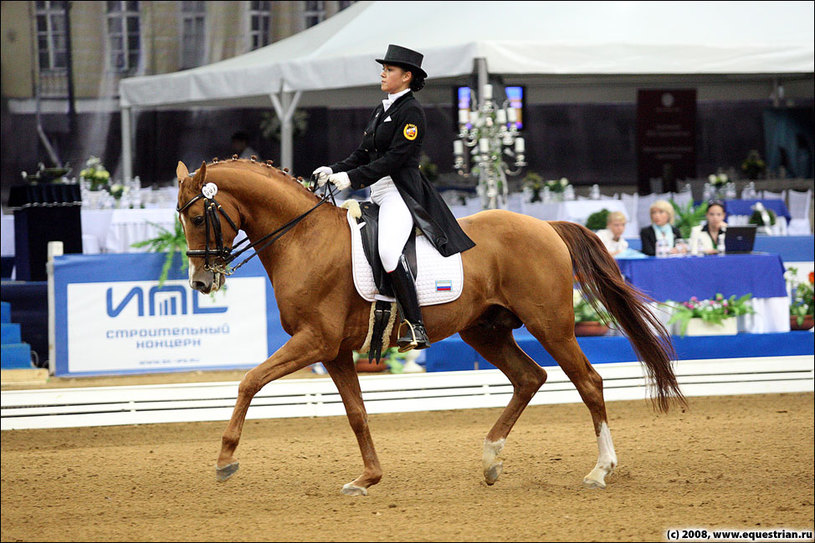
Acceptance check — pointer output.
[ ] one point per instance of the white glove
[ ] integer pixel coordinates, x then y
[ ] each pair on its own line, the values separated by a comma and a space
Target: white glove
340, 180
322, 174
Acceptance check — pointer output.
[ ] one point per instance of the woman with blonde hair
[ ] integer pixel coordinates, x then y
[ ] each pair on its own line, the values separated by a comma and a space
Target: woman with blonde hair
662, 228
612, 234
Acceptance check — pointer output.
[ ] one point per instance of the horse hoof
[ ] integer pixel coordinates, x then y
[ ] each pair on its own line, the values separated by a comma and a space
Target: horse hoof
593, 483
350, 489
491, 475
224, 473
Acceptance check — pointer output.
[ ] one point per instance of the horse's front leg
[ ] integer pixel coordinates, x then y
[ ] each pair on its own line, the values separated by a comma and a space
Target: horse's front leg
300, 351
345, 377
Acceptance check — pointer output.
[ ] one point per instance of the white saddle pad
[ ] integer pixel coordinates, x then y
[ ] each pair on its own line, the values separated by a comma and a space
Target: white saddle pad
439, 279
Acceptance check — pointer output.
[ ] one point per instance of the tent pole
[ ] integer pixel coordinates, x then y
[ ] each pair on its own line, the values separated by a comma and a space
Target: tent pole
127, 145
481, 67
284, 108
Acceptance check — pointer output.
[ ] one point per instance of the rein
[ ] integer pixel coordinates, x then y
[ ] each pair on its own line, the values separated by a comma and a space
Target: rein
229, 254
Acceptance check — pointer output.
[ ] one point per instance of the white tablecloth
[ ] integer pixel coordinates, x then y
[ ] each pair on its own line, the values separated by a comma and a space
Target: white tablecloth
108, 230
573, 210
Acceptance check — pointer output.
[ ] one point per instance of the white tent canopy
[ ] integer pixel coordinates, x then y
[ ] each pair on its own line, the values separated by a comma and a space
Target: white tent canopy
541, 38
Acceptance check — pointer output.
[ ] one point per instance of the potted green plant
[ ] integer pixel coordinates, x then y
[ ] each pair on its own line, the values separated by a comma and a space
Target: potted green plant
709, 317
392, 360
802, 300
598, 220
687, 216
170, 243
588, 321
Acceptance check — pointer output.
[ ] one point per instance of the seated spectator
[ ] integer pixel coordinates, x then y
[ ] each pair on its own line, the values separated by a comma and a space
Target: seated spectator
612, 234
662, 228
706, 237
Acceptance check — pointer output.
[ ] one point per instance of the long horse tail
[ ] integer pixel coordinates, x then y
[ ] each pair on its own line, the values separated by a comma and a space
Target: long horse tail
602, 282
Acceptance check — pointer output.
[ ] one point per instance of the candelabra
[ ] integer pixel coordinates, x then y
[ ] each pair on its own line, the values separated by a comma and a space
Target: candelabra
488, 135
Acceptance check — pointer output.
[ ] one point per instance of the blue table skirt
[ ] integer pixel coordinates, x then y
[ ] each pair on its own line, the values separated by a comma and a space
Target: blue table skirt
452, 354
678, 279
744, 207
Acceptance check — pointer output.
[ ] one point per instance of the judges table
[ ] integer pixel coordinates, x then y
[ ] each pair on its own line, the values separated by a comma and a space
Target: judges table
680, 278
110, 230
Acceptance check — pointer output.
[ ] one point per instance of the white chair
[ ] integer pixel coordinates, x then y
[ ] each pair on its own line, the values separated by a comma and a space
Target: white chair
631, 202
799, 206
767, 195
682, 198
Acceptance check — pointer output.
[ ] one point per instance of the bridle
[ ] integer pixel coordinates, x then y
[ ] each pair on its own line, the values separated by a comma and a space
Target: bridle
226, 255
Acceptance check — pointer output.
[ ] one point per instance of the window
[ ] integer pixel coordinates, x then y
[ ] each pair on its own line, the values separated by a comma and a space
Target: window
193, 39
313, 12
259, 20
52, 49
124, 36
345, 3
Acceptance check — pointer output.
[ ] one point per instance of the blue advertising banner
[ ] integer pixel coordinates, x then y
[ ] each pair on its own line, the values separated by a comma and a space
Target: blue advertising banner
112, 317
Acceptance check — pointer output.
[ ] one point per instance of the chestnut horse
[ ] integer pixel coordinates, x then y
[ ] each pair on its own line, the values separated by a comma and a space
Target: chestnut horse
520, 272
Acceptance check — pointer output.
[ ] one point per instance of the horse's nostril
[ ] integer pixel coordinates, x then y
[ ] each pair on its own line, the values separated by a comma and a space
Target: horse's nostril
199, 286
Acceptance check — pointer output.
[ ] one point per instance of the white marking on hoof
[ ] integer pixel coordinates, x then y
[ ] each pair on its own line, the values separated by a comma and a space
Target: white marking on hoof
492, 469
350, 489
606, 460
224, 473
491, 475
595, 479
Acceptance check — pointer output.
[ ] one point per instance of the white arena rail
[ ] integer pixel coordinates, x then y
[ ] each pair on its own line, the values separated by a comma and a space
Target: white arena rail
316, 397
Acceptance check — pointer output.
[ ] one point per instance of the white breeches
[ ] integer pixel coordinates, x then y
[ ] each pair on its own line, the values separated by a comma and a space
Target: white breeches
395, 222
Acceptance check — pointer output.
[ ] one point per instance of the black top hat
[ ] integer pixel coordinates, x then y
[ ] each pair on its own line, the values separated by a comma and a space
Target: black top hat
405, 58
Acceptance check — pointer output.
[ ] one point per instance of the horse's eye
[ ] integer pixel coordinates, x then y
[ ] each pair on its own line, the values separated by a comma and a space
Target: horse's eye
198, 221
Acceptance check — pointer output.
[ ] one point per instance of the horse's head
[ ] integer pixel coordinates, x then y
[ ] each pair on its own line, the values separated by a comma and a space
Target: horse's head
210, 225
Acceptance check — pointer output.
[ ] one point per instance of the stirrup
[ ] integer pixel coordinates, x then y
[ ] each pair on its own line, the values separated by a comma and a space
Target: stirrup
410, 341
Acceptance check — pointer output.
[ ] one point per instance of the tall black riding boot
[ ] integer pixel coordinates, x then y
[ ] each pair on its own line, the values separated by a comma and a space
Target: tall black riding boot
404, 288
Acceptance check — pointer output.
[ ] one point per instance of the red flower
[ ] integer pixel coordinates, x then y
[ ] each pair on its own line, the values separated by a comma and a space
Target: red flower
812, 277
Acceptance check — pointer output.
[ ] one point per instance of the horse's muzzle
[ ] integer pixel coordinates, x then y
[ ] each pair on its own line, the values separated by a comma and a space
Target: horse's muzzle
205, 281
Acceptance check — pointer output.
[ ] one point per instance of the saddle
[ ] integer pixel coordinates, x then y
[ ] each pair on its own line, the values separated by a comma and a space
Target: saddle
438, 279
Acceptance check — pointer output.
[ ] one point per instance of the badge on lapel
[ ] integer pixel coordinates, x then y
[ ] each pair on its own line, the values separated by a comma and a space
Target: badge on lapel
410, 132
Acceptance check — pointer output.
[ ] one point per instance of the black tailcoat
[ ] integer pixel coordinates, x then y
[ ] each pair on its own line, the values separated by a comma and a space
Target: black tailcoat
392, 145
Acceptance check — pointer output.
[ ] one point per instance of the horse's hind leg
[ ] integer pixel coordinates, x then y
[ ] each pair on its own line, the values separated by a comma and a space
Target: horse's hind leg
344, 375
589, 385
498, 346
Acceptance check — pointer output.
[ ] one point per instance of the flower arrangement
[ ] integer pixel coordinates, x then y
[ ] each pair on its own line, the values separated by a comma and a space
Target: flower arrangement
802, 296
753, 166
557, 185
758, 218
96, 174
713, 311
533, 183
717, 180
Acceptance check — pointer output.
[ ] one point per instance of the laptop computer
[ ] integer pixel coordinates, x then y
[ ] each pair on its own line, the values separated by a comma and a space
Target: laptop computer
740, 239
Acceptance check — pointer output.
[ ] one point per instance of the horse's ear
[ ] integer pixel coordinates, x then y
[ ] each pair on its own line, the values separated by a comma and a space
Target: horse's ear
181, 172
200, 177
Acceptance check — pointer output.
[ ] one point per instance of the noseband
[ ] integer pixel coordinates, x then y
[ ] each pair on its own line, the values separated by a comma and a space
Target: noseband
225, 255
